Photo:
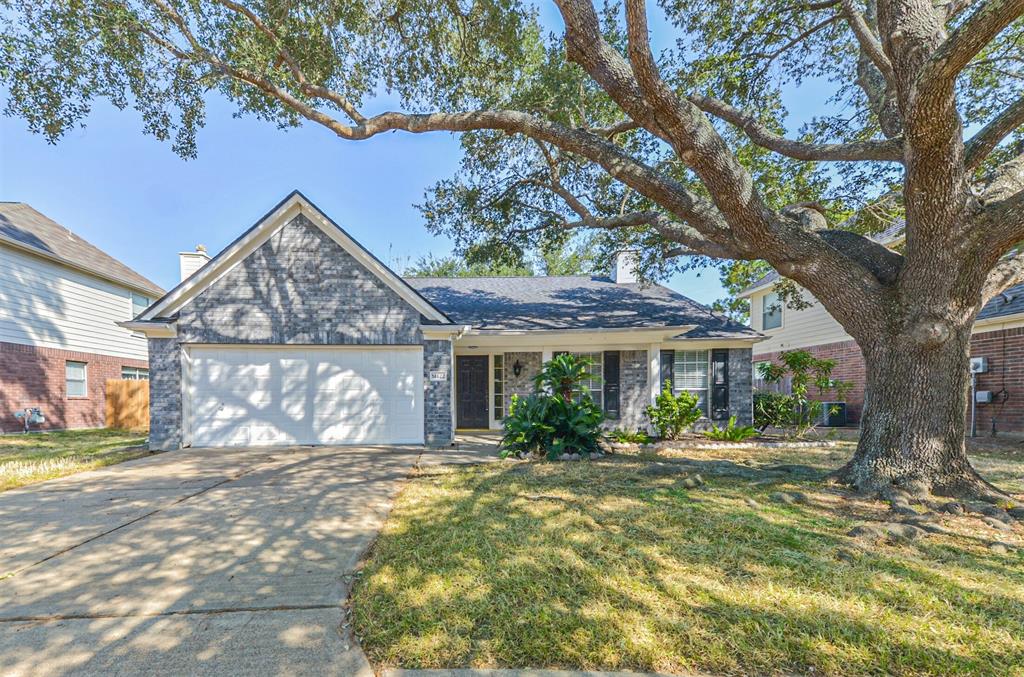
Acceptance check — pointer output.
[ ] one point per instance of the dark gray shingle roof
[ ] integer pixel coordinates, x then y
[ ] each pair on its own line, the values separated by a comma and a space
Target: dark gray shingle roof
1010, 302
23, 225
570, 302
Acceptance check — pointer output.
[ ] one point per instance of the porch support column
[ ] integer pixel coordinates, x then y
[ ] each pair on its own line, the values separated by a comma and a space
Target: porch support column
654, 370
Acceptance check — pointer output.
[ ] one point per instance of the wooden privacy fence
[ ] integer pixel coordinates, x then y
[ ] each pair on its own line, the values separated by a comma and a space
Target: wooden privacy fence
128, 404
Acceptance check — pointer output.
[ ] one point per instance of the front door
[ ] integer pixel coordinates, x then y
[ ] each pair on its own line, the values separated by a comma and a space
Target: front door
471, 391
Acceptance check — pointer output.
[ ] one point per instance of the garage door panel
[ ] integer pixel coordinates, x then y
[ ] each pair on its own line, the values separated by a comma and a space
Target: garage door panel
284, 395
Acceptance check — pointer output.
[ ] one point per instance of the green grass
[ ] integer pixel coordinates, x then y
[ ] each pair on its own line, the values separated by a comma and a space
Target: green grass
35, 457
595, 565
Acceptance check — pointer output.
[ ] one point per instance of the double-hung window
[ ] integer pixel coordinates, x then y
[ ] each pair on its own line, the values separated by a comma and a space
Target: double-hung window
75, 379
139, 303
690, 373
592, 384
771, 311
135, 373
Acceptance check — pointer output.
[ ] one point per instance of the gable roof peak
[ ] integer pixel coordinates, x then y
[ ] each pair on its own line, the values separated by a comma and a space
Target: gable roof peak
293, 204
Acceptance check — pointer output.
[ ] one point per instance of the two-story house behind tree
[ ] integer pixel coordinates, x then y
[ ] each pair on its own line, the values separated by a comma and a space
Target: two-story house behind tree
998, 337
60, 300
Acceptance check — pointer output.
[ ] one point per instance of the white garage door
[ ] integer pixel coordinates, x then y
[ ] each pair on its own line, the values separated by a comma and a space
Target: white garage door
283, 395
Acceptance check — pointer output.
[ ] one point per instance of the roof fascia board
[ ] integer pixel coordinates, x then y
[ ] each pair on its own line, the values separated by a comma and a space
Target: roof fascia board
29, 249
151, 329
237, 251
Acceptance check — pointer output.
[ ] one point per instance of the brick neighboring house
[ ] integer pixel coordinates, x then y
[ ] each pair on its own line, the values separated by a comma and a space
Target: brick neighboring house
998, 336
60, 300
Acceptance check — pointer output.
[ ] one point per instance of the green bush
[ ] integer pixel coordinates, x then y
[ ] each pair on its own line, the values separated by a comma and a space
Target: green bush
777, 410
629, 437
671, 414
562, 375
731, 432
555, 419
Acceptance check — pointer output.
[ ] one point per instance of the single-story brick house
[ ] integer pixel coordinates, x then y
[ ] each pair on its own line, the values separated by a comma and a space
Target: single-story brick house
296, 334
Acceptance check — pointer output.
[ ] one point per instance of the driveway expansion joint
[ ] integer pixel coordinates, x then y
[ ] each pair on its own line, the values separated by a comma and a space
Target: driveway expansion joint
158, 614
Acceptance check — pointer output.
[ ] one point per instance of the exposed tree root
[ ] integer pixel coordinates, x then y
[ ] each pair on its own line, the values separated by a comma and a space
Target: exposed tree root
962, 484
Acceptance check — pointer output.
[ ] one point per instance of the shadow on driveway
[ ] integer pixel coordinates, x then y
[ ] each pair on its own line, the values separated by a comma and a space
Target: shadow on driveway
196, 561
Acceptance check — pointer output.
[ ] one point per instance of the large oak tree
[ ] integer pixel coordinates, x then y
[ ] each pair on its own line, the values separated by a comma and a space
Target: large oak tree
681, 154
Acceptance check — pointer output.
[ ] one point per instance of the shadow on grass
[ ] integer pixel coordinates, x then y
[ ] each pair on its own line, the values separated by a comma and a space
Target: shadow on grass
596, 566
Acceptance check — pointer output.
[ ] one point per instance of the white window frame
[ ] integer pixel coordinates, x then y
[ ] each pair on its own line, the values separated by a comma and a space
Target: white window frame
596, 369
134, 373
771, 300
84, 380
682, 358
498, 402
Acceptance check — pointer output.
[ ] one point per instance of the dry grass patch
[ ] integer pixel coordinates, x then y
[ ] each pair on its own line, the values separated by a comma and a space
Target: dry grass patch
597, 565
36, 457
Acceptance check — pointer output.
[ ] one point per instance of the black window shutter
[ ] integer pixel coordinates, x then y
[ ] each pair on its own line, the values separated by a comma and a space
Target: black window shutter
668, 358
611, 383
720, 384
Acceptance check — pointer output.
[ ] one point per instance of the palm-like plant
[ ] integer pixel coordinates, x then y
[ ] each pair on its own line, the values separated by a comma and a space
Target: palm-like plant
562, 374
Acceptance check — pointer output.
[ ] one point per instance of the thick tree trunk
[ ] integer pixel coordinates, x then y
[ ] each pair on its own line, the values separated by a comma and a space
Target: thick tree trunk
914, 421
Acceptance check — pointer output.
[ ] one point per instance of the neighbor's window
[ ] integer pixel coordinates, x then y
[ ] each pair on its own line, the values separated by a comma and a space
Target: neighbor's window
690, 373
139, 303
499, 387
771, 311
74, 376
135, 373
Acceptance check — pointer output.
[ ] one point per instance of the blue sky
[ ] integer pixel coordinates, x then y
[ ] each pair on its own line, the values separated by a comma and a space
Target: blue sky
130, 195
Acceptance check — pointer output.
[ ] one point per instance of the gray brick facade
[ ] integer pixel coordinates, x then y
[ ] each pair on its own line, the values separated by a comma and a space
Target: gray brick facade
521, 385
741, 386
299, 287
437, 395
164, 394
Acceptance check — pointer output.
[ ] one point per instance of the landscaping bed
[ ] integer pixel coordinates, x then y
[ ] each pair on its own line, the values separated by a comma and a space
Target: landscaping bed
629, 563
35, 457
689, 441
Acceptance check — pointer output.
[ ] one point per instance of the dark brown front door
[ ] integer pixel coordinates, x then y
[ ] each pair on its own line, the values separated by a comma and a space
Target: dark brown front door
471, 391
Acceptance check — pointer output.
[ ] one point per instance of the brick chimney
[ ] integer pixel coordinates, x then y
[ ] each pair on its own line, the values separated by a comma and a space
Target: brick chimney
190, 262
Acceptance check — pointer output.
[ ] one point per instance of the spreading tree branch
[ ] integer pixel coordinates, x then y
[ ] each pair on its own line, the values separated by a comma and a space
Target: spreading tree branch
873, 151
967, 41
869, 44
985, 141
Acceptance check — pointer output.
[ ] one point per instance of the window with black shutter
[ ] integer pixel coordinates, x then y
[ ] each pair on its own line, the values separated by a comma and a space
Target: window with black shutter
611, 383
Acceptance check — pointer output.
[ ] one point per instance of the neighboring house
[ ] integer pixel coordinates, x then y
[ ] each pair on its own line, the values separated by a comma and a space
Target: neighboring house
998, 336
60, 301
295, 334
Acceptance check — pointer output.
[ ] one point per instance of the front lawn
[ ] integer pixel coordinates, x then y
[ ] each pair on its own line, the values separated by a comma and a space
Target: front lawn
614, 565
35, 457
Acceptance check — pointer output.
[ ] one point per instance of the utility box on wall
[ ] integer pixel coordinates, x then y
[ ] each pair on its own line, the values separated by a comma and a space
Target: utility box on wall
983, 397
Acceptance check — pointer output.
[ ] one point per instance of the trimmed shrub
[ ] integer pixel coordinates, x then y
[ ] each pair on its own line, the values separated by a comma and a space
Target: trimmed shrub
673, 414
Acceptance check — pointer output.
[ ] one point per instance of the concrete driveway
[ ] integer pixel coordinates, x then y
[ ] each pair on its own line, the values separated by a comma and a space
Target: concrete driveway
193, 562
